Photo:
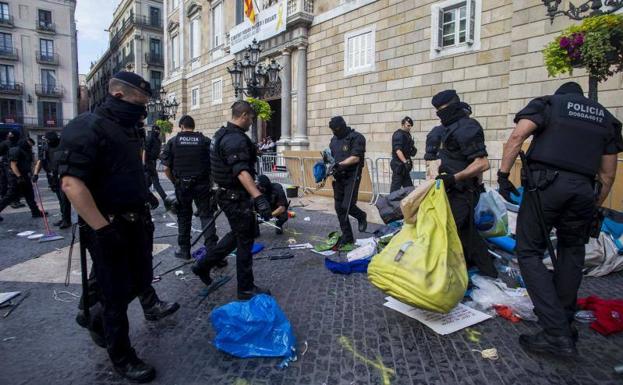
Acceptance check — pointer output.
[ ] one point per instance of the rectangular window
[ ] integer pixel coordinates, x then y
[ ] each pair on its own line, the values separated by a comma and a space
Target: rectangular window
239, 11
7, 75
455, 23
195, 38
217, 25
154, 16
217, 91
49, 113
359, 51
6, 42
155, 47
175, 53
11, 111
47, 48
45, 18
156, 81
194, 98
48, 79
4, 12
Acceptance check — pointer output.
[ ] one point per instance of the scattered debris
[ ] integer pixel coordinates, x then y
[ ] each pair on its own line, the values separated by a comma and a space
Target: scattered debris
489, 354
304, 351
71, 298
14, 306
473, 335
291, 241
25, 233
35, 236
8, 339
179, 272
212, 288
307, 219
5, 297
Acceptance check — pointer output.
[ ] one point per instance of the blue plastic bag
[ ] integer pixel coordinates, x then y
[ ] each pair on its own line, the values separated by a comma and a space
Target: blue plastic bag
490, 216
254, 328
320, 171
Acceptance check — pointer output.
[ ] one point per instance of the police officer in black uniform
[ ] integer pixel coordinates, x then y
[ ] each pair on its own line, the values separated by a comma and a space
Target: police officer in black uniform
102, 175
278, 201
233, 156
20, 174
51, 155
463, 156
153, 146
433, 142
186, 160
574, 149
403, 148
348, 148
11, 140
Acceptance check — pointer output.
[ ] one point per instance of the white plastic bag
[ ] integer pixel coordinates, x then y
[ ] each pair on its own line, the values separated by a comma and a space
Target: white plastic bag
490, 216
489, 292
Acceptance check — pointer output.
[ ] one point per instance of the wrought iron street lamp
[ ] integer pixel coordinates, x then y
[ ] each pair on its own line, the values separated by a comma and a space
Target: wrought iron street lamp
584, 10
252, 78
587, 9
162, 107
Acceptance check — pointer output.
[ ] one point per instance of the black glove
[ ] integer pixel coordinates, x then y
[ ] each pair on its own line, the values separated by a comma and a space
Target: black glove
408, 165
263, 207
109, 241
449, 180
35, 178
505, 186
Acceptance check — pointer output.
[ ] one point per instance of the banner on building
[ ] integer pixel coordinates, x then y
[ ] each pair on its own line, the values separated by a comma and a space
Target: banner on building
264, 24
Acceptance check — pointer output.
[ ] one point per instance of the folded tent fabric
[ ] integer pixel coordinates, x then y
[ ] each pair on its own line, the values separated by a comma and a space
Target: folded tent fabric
358, 266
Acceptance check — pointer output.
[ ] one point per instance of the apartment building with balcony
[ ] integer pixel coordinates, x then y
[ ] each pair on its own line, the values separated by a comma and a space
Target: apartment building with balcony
136, 44
371, 61
38, 64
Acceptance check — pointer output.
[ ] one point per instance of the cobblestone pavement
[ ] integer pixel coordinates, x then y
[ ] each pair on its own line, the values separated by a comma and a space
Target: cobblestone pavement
350, 337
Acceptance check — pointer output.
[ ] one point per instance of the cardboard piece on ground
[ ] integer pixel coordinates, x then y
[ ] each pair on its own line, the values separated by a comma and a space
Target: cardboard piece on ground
458, 318
5, 297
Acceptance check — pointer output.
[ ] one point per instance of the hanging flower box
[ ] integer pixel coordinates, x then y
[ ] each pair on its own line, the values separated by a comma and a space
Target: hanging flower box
596, 44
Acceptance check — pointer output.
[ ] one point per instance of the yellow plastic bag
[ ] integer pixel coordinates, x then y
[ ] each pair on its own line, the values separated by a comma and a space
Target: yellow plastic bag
411, 203
431, 274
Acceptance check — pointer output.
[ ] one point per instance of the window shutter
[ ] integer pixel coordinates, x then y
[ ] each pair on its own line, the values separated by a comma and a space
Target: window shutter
19, 110
40, 114
471, 21
439, 29
59, 114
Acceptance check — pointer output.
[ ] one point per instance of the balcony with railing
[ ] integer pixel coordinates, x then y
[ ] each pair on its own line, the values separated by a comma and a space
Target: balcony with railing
7, 21
148, 22
49, 90
300, 11
12, 119
125, 27
46, 26
154, 59
8, 53
11, 88
47, 58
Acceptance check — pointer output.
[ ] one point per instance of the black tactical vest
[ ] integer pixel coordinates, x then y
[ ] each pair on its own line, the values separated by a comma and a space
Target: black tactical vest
452, 160
575, 136
191, 155
222, 173
341, 147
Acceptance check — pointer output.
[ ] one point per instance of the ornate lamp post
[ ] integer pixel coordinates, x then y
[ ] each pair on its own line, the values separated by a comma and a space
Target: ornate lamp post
251, 78
587, 9
162, 107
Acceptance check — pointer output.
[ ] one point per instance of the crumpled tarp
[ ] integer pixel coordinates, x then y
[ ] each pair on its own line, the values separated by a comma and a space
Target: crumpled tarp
358, 266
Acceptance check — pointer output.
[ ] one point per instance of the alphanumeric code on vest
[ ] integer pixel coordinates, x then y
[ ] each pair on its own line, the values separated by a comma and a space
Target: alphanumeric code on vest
576, 110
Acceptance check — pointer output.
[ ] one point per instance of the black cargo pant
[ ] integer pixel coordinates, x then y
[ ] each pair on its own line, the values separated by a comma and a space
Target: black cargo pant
342, 190
151, 176
4, 183
463, 201
401, 176
187, 191
122, 272
63, 202
239, 211
19, 189
568, 205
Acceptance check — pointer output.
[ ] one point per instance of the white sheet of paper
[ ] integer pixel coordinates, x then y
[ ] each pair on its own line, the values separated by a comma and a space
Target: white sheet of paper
301, 246
327, 253
365, 241
4, 297
458, 318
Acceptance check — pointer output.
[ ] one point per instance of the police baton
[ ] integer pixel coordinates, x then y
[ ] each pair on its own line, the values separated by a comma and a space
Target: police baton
352, 190
83, 271
537, 205
206, 227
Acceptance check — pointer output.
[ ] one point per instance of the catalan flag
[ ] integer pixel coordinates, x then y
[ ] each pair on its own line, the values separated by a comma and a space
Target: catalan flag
249, 11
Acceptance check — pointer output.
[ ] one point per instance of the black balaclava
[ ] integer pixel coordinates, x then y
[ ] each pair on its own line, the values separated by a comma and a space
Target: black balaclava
452, 113
264, 184
570, 88
15, 137
128, 114
53, 139
337, 124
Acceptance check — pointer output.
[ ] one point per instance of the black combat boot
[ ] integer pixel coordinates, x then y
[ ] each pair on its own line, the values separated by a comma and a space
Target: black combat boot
363, 223
160, 309
248, 294
183, 253
135, 370
203, 272
562, 346
64, 225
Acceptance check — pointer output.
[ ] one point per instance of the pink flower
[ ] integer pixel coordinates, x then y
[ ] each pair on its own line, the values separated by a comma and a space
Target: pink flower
564, 42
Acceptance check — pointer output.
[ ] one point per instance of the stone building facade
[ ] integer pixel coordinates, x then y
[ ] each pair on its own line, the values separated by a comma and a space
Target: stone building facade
135, 45
374, 62
38, 64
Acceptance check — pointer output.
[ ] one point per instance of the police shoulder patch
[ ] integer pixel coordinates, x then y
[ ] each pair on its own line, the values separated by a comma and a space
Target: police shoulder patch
345, 147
